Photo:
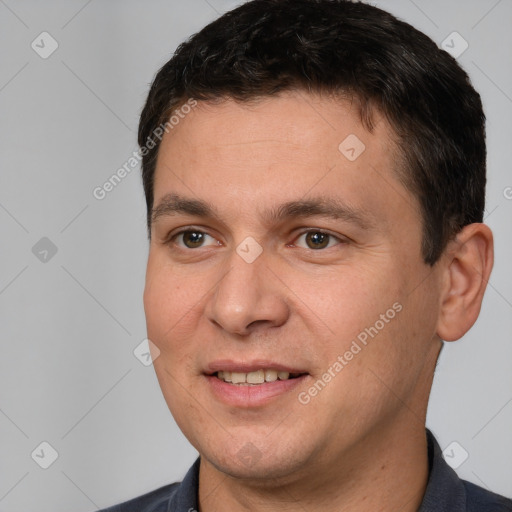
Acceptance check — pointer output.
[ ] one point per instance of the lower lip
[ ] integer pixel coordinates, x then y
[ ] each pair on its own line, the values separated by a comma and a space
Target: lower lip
251, 396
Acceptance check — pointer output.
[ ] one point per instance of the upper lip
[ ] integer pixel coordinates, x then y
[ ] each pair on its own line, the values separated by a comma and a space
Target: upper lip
229, 365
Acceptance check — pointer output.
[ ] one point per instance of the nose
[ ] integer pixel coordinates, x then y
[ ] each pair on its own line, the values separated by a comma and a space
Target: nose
248, 297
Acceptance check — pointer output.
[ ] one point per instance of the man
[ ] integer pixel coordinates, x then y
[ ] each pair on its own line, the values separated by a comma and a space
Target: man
314, 173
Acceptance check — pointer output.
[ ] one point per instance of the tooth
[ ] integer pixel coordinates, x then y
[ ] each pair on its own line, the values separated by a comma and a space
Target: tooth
257, 377
270, 375
238, 378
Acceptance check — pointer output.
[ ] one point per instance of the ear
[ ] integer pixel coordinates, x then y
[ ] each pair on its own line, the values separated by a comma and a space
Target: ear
468, 262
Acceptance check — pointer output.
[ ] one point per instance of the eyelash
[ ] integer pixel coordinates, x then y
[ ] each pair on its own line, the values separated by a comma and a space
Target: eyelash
171, 239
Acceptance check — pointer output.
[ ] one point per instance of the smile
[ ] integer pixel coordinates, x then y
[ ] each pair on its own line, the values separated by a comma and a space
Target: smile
256, 377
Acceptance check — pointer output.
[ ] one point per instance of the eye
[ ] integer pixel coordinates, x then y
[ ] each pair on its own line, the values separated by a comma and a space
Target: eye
315, 240
191, 239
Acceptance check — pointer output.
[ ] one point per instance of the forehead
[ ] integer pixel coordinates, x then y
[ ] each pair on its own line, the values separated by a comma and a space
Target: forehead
245, 156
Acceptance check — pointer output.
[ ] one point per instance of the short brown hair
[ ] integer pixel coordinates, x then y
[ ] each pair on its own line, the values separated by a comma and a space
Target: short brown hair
267, 46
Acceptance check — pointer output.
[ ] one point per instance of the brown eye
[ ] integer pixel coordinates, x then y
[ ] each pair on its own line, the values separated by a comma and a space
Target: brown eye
193, 239
316, 240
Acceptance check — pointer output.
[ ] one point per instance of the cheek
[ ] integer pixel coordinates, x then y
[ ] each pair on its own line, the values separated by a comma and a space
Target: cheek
349, 301
399, 344
377, 327
168, 301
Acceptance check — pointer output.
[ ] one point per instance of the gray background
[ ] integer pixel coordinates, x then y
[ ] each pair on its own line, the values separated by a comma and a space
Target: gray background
70, 323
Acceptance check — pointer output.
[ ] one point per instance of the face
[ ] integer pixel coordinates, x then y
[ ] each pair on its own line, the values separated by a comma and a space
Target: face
285, 287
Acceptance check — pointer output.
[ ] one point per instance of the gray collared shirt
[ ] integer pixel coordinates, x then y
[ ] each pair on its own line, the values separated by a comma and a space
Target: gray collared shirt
445, 492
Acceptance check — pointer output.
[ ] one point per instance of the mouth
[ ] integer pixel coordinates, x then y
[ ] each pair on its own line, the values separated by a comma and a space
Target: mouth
255, 378
254, 384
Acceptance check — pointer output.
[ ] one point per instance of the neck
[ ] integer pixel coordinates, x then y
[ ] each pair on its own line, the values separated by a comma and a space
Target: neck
384, 473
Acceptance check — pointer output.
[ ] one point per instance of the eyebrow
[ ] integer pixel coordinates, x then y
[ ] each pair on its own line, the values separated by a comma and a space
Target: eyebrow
334, 208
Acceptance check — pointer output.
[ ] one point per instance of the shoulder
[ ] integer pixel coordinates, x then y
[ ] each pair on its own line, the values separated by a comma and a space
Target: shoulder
154, 501
481, 500
447, 492
180, 496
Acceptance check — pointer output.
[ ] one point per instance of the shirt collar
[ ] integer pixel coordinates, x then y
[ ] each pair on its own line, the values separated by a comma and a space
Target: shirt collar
185, 499
445, 491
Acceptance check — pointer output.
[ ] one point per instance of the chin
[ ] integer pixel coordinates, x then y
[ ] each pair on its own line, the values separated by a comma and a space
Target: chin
267, 466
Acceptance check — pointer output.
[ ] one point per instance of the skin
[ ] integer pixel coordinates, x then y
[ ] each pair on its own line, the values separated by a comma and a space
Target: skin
359, 443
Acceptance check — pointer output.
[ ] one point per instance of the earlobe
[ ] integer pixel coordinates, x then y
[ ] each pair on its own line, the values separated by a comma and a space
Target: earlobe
469, 261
